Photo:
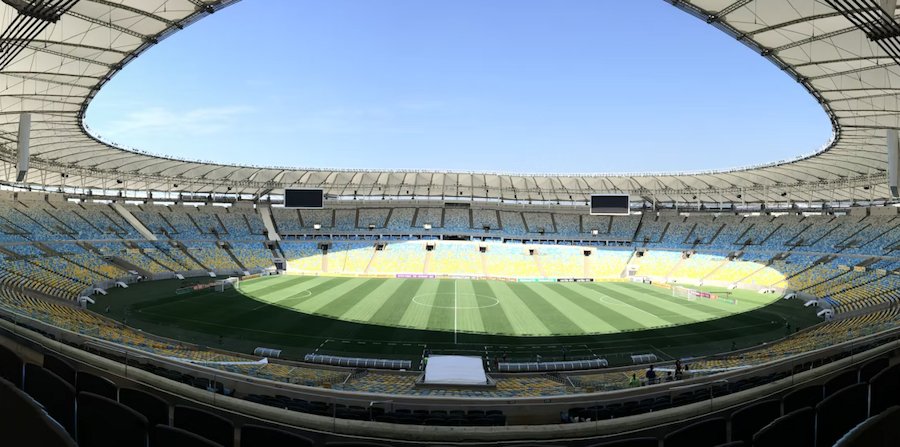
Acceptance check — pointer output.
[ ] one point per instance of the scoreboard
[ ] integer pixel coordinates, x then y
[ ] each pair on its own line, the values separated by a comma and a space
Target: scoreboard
610, 204
304, 198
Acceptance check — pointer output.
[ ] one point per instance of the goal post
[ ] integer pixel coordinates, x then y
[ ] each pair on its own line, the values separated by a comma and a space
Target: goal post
229, 283
683, 292
694, 294
220, 285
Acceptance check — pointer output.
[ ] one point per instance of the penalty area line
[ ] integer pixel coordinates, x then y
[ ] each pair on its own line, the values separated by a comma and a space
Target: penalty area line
308, 293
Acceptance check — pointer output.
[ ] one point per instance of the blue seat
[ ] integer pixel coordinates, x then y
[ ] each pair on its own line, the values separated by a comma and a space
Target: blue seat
259, 436
795, 429
55, 394
103, 422
206, 424
165, 436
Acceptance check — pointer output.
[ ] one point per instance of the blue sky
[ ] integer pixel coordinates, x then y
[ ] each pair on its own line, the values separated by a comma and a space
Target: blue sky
501, 85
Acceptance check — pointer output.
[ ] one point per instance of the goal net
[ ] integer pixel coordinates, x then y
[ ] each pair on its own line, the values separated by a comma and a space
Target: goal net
694, 294
219, 286
225, 284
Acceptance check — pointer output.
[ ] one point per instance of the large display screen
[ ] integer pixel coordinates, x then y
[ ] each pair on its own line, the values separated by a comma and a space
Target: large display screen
610, 204
304, 198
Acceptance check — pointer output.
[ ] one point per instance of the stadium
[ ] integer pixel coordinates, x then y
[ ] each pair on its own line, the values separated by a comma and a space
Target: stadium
149, 300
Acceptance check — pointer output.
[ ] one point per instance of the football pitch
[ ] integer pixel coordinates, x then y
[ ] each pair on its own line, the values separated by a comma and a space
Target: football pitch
401, 318
495, 307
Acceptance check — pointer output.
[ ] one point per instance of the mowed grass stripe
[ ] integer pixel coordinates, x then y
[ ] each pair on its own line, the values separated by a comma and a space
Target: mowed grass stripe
264, 286
365, 308
284, 291
493, 318
711, 306
647, 314
523, 308
469, 313
554, 320
442, 313
300, 295
669, 305
622, 305
342, 303
586, 320
520, 316
591, 302
680, 306
394, 307
320, 298
204, 306
417, 313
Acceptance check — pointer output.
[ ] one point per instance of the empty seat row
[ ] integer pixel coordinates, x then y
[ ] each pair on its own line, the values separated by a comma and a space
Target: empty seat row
815, 415
24, 422
92, 409
400, 416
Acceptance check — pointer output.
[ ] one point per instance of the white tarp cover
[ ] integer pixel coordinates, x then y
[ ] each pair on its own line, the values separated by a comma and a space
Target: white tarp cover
455, 370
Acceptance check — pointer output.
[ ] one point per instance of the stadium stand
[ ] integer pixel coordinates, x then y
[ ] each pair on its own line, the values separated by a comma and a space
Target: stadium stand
429, 216
325, 218
401, 218
376, 217
456, 219
855, 283
821, 229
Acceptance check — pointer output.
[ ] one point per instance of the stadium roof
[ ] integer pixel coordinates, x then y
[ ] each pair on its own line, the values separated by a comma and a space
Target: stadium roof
55, 73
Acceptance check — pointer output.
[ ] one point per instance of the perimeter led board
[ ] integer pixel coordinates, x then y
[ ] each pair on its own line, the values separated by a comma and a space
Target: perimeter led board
304, 198
610, 204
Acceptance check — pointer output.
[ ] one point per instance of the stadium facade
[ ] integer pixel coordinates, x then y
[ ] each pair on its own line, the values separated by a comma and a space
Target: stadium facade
88, 217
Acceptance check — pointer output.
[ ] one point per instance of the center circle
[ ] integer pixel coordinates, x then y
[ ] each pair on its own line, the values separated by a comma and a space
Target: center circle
492, 301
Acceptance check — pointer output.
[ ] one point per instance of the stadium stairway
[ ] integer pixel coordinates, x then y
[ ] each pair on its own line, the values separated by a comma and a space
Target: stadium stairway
133, 221
183, 249
227, 248
429, 254
277, 251
129, 267
537, 261
718, 267
265, 213
9, 254
786, 280
675, 267
767, 236
716, 234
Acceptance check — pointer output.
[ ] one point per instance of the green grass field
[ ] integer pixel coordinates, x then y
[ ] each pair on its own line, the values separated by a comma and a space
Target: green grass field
494, 307
234, 321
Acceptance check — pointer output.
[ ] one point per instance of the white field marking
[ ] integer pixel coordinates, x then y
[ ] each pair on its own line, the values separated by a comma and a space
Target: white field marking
419, 299
300, 295
455, 299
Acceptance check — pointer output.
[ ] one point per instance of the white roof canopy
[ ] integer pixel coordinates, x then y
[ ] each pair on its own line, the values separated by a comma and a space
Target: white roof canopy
60, 70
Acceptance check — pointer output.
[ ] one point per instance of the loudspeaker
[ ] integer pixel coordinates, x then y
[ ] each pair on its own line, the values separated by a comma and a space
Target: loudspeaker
22, 145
